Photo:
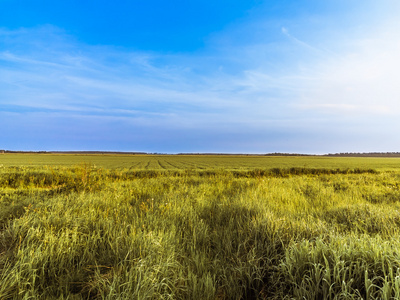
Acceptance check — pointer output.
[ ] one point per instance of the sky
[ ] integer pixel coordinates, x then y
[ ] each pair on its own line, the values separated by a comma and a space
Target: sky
184, 76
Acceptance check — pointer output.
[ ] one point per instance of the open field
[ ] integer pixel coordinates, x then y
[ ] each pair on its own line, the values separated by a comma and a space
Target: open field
189, 227
228, 162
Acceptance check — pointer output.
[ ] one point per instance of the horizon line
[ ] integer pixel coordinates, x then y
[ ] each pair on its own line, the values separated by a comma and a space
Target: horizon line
3, 151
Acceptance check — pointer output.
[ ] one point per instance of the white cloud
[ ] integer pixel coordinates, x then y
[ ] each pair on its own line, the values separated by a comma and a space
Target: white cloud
364, 79
86, 77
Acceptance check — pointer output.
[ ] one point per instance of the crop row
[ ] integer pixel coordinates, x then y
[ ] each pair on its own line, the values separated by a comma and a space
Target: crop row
195, 162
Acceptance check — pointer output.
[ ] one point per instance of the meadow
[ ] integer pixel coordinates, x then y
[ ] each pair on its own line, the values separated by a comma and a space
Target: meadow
198, 227
179, 162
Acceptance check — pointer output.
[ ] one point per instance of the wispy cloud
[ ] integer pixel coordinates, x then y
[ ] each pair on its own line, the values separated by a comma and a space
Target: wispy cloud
364, 79
285, 31
108, 79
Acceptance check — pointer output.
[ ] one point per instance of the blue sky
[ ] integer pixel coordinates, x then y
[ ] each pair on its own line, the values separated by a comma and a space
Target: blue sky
200, 76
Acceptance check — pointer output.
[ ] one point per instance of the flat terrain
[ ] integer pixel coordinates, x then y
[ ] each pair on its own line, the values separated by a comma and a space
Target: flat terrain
229, 162
198, 227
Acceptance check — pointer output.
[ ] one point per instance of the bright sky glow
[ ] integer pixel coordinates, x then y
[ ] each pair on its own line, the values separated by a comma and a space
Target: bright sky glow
200, 76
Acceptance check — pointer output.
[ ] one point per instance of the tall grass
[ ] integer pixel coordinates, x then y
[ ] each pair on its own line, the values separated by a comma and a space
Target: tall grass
91, 233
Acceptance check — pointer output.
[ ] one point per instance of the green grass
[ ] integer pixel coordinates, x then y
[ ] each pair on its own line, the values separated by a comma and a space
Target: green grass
224, 231
200, 162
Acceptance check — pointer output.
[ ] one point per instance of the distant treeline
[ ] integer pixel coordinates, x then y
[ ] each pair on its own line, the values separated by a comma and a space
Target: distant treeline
368, 154
247, 154
344, 154
72, 152
156, 153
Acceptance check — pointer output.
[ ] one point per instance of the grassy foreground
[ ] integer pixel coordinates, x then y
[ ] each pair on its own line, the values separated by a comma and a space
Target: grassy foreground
87, 232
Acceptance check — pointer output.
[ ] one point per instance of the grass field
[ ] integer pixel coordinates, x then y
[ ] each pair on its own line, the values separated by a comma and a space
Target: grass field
198, 227
228, 162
